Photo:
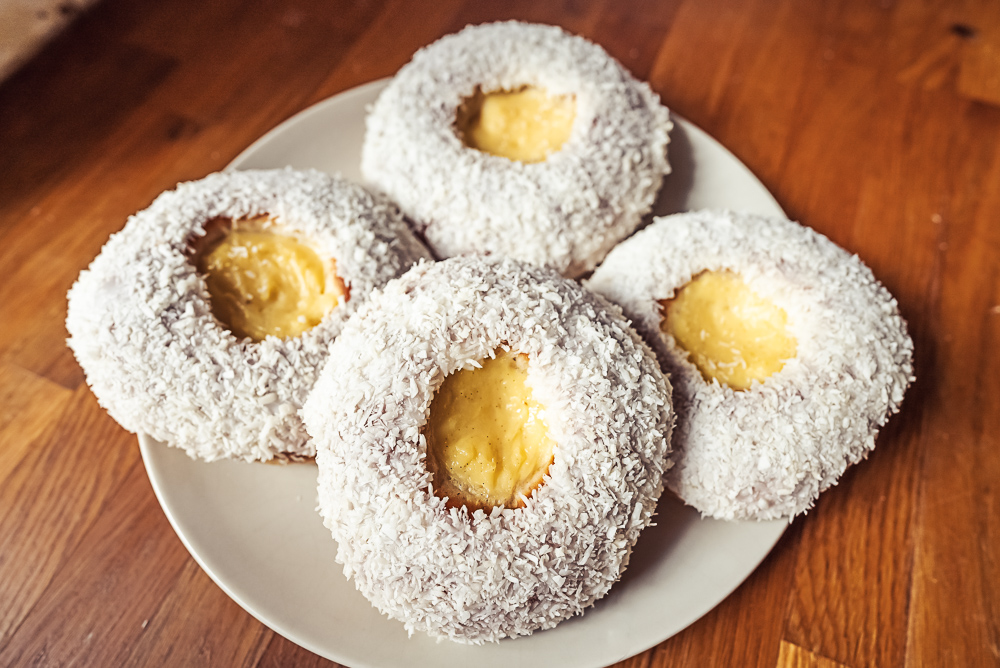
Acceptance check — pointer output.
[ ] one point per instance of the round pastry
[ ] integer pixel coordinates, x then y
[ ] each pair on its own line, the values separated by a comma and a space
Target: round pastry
490, 448
205, 321
786, 355
519, 140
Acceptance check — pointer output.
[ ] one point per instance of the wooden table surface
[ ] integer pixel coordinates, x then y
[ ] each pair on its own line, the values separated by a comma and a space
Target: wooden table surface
876, 123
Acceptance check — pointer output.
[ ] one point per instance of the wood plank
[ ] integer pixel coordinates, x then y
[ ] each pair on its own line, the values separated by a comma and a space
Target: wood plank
198, 625
48, 130
627, 31
979, 72
862, 584
51, 499
30, 406
368, 58
793, 656
272, 46
956, 561
692, 85
99, 603
856, 578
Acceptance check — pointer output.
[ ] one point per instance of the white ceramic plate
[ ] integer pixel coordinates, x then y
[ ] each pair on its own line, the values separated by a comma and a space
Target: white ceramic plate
254, 529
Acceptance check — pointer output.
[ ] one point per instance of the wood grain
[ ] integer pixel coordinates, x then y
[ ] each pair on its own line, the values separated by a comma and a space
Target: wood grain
876, 123
793, 656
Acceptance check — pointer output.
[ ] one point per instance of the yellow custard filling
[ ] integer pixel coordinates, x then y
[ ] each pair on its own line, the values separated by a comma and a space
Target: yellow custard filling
487, 442
730, 332
263, 283
526, 124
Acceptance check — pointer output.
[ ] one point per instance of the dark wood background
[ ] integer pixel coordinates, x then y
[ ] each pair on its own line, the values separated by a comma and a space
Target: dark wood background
876, 122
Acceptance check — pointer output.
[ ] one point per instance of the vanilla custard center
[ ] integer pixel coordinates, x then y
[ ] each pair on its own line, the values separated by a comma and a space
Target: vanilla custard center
487, 442
730, 332
263, 283
526, 124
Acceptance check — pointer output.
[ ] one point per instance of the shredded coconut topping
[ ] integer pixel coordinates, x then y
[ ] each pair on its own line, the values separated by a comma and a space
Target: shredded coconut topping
141, 326
768, 452
482, 577
567, 211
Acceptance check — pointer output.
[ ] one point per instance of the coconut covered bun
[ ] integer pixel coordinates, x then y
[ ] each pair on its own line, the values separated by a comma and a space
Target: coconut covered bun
767, 451
476, 576
565, 211
141, 320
